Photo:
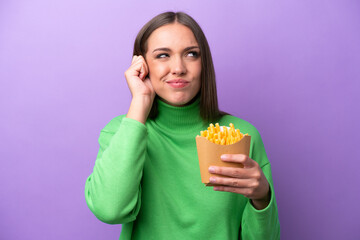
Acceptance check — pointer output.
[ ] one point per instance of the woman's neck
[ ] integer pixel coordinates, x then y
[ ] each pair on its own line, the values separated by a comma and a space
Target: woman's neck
179, 118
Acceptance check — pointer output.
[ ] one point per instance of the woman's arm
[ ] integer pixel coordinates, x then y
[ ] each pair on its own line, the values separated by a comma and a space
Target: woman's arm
262, 224
113, 190
254, 181
141, 89
260, 218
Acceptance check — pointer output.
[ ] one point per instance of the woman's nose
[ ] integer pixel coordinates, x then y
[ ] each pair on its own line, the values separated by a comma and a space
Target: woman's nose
178, 66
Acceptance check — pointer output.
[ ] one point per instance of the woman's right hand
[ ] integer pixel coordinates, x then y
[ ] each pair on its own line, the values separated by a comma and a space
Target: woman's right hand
137, 80
141, 89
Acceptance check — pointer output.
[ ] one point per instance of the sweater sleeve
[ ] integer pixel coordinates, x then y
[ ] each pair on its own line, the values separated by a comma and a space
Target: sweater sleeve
113, 191
264, 223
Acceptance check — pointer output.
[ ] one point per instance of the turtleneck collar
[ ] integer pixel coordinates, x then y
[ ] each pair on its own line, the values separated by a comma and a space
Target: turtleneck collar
179, 119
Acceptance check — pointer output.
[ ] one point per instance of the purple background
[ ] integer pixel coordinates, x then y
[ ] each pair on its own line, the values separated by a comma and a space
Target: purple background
292, 68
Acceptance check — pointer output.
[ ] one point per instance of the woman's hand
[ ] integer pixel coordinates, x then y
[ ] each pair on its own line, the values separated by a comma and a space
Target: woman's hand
137, 80
141, 89
249, 181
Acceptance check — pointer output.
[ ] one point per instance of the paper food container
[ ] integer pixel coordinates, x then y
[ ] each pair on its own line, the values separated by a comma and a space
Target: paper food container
209, 155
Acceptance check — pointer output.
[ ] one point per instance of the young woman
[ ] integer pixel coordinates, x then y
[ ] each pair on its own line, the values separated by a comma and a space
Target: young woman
146, 174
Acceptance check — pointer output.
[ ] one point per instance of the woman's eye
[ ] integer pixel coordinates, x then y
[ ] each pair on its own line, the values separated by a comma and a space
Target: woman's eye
162, 55
193, 54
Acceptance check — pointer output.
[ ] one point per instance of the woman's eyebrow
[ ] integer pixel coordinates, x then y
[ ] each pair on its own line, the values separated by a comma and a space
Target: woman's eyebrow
162, 49
189, 48
169, 50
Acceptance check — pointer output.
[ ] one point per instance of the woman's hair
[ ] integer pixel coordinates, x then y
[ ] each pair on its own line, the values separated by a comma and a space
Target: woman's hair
209, 110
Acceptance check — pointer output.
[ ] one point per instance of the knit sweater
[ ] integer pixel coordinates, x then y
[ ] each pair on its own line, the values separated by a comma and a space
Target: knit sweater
147, 178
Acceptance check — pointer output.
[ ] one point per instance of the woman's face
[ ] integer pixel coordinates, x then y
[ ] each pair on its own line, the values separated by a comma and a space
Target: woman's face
173, 58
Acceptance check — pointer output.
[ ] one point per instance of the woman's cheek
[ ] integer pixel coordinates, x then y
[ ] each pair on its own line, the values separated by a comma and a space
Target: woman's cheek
156, 72
161, 71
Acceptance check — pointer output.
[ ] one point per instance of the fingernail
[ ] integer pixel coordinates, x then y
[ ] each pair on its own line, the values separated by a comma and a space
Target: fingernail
211, 169
212, 179
224, 157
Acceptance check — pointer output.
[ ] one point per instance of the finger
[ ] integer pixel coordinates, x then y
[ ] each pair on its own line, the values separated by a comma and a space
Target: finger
139, 59
134, 58
141, 75
143, 71
147, 82
244, 191
146, 67
231, 182
138, 68
238, 158
229, 171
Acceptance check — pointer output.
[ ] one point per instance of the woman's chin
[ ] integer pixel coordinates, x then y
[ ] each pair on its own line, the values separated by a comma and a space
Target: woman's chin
177, 102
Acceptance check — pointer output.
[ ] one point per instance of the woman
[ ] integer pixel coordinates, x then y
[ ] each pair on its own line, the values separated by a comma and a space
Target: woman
147, 176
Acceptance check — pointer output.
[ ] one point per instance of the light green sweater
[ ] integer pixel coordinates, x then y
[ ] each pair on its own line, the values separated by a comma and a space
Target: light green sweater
147, 178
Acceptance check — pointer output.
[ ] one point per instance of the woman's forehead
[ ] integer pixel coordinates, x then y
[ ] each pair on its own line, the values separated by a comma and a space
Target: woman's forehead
172, 36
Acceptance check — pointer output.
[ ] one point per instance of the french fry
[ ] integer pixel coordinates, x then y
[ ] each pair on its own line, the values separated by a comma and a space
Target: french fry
211, 127
217, 127
222, 135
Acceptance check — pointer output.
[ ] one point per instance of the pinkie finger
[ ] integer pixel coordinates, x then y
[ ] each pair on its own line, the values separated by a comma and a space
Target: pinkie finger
243, 191
229, 171
232, 182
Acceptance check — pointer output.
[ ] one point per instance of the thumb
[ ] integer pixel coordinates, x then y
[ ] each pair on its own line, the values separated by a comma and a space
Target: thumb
147, 82
141, 75
238, 158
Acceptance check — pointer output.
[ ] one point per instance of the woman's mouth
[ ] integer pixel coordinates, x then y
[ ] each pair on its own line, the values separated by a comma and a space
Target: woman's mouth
177, 83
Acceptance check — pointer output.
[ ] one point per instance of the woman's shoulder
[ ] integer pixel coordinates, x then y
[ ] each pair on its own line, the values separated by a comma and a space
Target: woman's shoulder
114, 124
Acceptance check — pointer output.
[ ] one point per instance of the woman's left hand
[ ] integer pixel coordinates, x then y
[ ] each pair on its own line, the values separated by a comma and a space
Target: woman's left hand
249, 181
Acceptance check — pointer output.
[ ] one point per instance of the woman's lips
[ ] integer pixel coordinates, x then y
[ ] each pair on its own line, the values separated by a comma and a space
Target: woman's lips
177, 83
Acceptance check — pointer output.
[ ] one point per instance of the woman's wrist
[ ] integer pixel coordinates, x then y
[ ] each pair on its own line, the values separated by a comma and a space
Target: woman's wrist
262, 203
139, 109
